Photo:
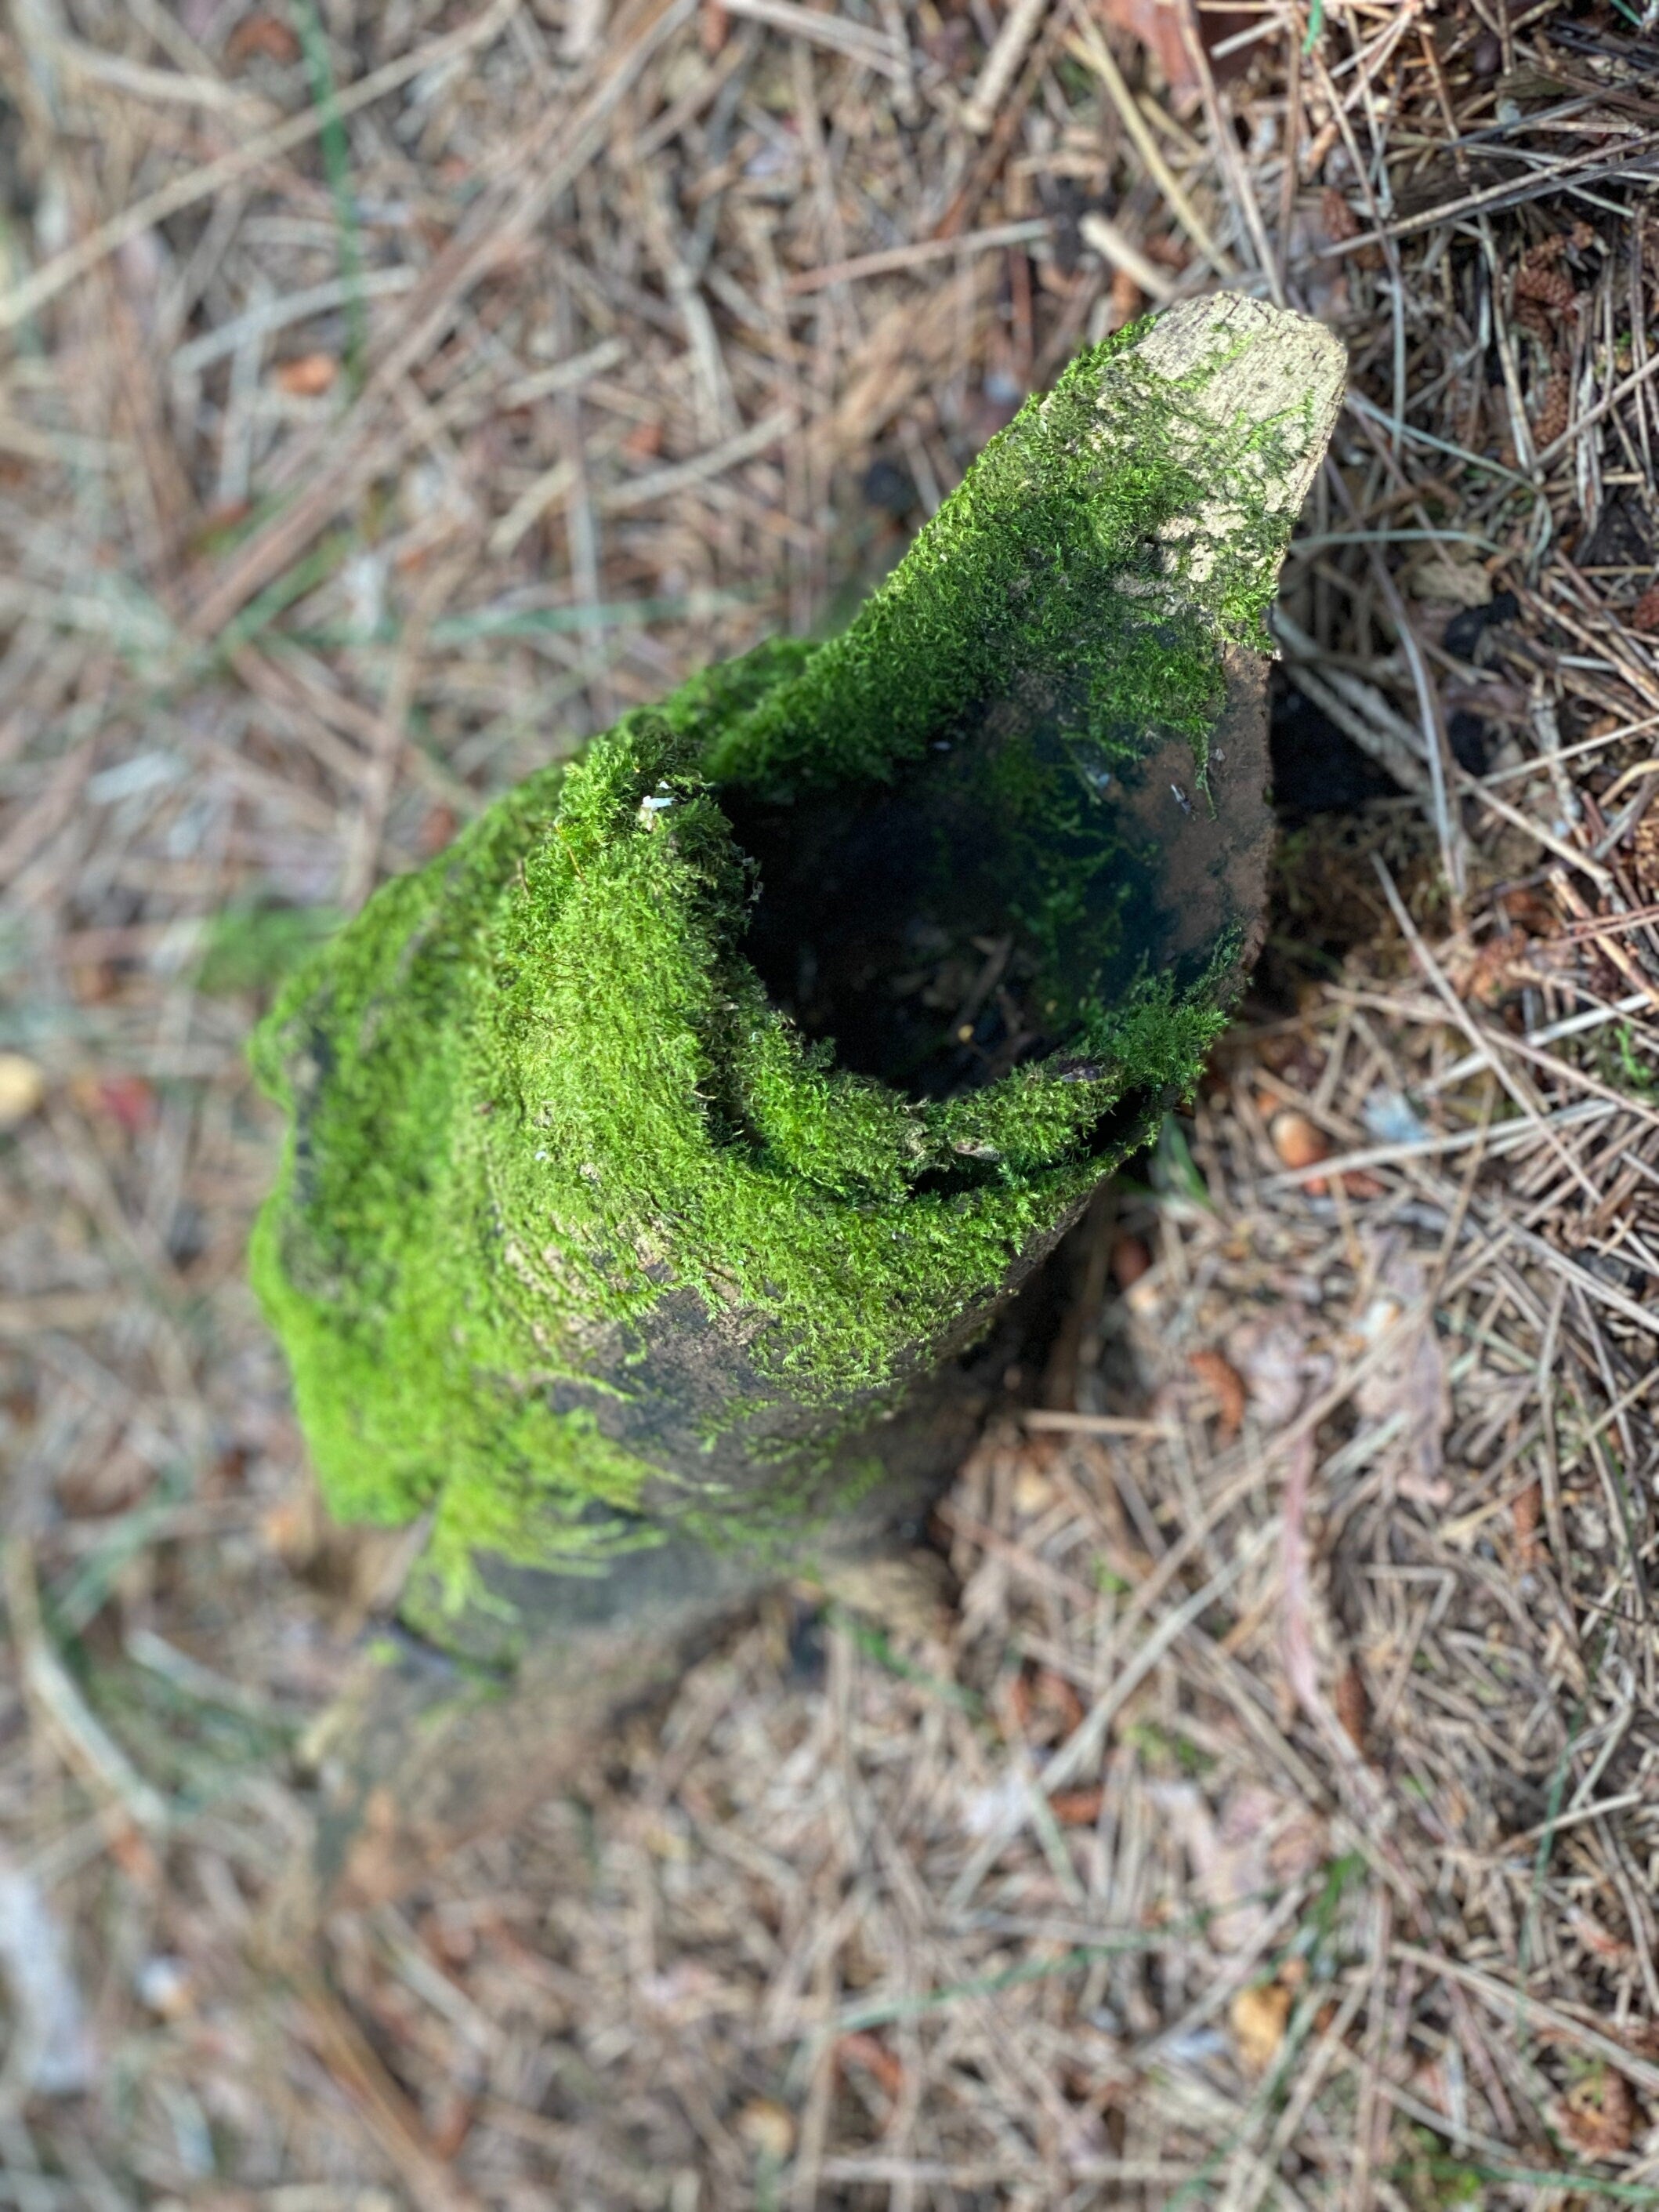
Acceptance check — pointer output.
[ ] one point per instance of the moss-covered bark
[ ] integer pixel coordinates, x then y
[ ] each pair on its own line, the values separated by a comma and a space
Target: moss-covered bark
578, 1230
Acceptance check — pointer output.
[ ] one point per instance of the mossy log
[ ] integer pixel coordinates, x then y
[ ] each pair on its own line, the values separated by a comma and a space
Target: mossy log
660, 1155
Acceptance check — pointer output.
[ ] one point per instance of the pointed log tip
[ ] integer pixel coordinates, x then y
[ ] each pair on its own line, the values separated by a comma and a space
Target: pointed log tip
1264, 361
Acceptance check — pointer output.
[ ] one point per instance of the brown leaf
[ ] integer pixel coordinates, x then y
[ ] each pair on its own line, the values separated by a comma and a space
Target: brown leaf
1157, 28
1156, 25
871, 2055
266, 36
438, 830
308, 376
1226, 1385
1645, 615
1126, 298
1357, 1183
1525, 1512
1258, 2016
1043, 1705
1528, 908
1053, 1695
1077, 1808
127, 1100
1130, 1261
1352, 1706
1297, 1141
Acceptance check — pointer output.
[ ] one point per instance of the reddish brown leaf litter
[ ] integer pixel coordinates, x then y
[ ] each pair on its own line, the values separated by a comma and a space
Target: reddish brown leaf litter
396, 394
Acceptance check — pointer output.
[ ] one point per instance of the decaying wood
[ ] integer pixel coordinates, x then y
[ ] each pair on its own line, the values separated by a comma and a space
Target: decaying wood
418, 1759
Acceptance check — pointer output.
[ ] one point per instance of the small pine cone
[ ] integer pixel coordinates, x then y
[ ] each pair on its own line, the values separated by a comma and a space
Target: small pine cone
1645, 615
1555, 411
1551, 288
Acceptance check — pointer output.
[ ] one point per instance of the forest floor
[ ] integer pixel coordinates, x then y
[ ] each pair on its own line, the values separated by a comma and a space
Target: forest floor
397, 389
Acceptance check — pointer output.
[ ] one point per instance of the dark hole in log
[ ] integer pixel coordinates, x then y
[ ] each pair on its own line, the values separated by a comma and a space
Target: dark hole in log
860, 933
943, 929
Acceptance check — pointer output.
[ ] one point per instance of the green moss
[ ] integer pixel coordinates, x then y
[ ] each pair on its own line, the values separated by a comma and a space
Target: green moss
1069, 553
541, 1105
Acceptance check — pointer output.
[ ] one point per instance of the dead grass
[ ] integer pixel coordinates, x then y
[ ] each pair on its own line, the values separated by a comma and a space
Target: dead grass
395, 393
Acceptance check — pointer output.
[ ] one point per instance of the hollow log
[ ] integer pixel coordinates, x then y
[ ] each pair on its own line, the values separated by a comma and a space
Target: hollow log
662, 1158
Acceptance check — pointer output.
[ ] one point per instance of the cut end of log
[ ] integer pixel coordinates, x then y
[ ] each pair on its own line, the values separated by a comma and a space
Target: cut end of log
1249, 361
